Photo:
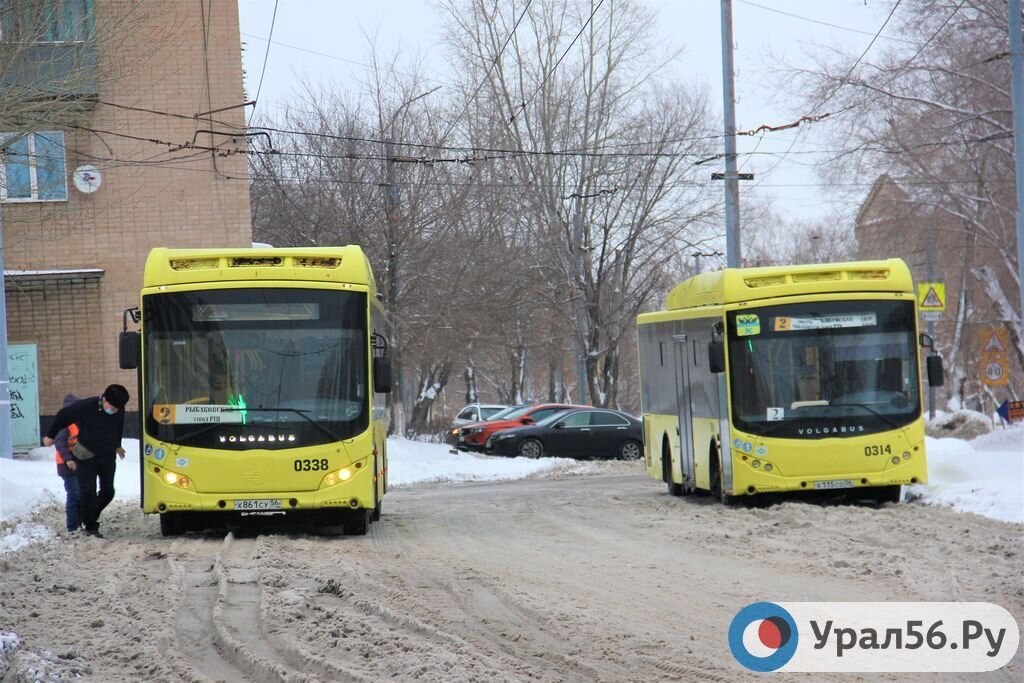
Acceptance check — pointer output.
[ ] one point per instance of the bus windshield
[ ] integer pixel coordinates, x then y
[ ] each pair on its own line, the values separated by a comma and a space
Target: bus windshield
814, 370
239, 369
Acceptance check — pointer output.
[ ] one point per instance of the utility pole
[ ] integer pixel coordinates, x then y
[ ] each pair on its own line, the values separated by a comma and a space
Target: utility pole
6, 437
1017, 70
930, 265
732, 188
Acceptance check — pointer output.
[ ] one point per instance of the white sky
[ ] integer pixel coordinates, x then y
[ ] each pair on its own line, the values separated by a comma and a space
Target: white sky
325, 41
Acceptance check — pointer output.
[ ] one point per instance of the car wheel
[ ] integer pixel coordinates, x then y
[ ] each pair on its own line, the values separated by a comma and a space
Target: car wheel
531, 448
631, 450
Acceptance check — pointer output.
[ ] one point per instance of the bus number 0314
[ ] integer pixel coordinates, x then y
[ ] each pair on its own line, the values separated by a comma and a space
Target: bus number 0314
306, 465
878, 450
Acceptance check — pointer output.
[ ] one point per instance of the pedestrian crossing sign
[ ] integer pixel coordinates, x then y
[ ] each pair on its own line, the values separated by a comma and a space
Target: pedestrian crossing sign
931, 296
994, 340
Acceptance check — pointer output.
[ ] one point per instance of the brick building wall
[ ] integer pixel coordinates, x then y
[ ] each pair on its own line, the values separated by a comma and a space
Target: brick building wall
159, 64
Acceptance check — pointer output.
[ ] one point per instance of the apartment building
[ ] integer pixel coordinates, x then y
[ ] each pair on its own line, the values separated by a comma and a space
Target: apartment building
123, 124
973, 332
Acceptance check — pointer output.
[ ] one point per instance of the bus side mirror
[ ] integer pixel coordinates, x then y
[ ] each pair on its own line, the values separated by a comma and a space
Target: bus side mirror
382, 374
716, 356
129, 345
933, 364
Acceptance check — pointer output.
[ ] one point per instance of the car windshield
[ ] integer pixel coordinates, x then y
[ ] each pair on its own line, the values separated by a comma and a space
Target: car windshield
500, 415
517, 413
487, 412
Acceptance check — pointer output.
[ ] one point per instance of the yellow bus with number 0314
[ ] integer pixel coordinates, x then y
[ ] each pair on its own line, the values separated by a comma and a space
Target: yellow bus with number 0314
262, 375
788, 378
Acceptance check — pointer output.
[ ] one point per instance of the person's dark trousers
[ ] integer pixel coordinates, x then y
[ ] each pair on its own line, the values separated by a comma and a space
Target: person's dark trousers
72, 505
93, 502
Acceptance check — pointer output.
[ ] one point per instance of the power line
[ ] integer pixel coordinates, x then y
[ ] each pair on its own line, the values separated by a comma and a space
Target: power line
522, 107
266, 55
344, 59
494, 63
831, 94
816, 21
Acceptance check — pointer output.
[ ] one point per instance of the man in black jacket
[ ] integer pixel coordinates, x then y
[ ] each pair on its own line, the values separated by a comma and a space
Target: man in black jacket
100, 421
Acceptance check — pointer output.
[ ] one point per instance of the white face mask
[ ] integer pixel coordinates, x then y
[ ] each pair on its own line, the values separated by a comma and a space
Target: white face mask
109, 411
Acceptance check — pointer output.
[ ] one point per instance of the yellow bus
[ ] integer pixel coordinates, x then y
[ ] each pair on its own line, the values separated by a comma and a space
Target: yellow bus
261, 376
778, 379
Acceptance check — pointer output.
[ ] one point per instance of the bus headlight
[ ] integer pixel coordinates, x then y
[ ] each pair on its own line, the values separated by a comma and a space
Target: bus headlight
341, 475
906, 455
895, 460
176, 480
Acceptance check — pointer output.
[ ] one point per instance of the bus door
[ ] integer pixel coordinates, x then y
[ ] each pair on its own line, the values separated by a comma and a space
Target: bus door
683, 409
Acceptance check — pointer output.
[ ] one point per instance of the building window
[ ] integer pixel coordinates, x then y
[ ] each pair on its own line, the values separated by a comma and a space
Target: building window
46, 21
33, 168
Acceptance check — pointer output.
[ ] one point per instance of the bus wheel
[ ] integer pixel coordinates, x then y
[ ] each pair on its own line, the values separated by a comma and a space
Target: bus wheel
531, 448
717, 489
357, 522
171, 524
631, 450
674, 489
888, 494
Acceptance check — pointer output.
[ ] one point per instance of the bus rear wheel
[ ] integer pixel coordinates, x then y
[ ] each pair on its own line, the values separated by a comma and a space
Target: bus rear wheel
674, 489
172, 524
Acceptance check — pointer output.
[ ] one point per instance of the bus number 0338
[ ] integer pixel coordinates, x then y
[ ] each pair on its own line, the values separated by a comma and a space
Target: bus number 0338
307, 465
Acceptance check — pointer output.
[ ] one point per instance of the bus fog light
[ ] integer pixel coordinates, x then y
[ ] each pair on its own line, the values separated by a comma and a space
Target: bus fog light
755, 464
906, 455
768, 467
895, 460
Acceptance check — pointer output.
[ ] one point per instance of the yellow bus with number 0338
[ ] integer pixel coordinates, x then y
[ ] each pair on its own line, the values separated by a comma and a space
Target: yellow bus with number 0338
262, 375
788, 378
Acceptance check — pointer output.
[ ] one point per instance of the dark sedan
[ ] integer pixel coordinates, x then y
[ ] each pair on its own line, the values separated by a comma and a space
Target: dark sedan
584, 433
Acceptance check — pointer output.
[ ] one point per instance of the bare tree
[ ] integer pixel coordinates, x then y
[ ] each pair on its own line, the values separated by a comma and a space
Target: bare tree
603, 148
935, 116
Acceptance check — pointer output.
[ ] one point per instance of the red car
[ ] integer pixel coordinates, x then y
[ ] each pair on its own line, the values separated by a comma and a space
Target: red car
473, 437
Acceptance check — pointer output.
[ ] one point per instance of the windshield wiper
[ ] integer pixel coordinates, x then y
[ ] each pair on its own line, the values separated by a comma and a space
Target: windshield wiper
865, 406
297, 411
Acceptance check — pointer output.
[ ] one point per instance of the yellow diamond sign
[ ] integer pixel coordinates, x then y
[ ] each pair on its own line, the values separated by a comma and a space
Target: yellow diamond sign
931, 296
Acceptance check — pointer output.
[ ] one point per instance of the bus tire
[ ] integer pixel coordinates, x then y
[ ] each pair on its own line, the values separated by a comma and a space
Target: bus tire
356, 522
674, 489
171, 524
717, 488
888, 494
